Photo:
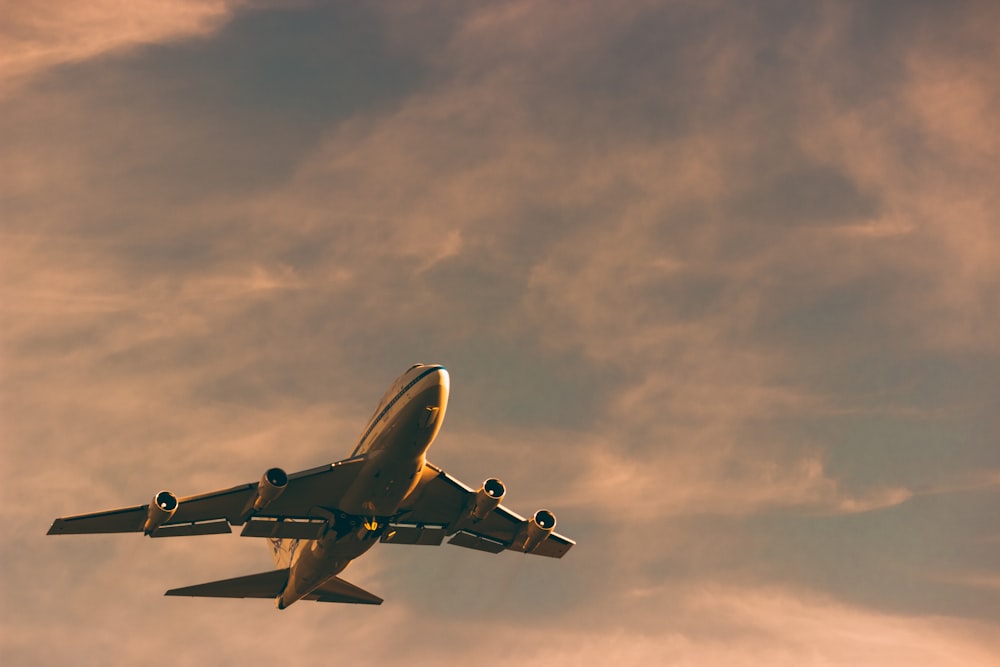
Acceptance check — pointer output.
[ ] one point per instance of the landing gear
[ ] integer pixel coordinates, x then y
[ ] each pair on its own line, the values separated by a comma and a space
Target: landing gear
363, 527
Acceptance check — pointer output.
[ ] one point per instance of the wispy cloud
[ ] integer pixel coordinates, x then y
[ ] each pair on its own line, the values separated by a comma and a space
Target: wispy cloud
774, 627
715, 285
41, 35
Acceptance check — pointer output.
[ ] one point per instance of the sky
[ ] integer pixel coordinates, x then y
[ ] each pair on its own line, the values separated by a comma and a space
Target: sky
715, 282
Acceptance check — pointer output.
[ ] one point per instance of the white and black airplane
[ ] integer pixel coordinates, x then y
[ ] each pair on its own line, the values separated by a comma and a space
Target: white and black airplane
317, 521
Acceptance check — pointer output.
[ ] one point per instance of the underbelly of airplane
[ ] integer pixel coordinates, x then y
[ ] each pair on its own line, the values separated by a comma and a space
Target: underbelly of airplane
319, 560
395, 458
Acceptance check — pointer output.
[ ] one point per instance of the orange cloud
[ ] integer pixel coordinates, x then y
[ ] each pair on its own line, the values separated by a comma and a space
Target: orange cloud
717, 625
39, 35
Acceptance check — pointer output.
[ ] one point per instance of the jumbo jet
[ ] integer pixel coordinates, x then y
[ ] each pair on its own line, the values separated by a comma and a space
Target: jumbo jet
317, 521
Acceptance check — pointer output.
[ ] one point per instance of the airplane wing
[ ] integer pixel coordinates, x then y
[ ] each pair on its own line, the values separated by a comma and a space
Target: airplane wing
440, 508
297, 512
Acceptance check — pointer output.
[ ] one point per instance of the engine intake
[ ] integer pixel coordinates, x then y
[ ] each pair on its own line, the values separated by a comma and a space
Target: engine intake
162, 507
539, 528
272, 484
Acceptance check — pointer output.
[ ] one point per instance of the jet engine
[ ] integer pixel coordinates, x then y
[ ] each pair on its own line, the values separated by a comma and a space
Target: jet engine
488, 497
480, 505
162, 507
272, 484
539, 527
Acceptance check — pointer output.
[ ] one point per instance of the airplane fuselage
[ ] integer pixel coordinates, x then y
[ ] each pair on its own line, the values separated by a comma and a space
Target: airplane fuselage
318, 520
393, 445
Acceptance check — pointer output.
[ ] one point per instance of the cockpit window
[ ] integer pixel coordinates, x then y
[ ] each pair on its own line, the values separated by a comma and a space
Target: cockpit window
414, 366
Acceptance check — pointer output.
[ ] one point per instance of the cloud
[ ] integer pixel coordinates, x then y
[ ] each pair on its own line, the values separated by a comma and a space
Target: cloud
714, 285
775, 627
38, 36
714, 482
928, 149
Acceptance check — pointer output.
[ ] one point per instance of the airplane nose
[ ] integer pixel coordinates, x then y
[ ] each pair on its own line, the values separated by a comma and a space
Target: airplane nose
443, 388
433, 400
444, 380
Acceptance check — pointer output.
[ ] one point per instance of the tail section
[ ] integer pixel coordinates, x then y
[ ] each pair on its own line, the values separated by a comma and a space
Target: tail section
271, 584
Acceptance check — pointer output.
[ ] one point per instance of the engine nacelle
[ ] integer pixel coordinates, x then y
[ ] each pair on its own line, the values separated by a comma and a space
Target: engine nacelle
488, 497
272, 484
479, 506
162, 507
539, 528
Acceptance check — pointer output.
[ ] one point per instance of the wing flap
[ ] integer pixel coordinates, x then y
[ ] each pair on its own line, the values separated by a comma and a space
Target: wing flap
554, 546
302, 529
217, 527
405, 534
478, 542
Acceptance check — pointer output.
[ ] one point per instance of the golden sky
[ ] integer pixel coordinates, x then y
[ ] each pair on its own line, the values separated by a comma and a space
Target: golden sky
715, 282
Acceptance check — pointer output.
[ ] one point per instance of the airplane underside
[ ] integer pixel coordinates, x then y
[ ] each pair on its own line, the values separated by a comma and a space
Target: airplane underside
317, 521
308, 567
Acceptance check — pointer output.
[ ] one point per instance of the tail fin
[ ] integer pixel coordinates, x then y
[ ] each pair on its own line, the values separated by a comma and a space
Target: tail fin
271, 584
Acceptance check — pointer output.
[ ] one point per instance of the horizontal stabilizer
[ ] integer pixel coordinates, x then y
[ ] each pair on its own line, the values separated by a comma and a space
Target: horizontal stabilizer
338, 590
263, 585
270, 585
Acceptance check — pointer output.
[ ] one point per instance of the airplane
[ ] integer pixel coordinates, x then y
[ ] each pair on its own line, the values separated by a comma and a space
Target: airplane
317, 521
